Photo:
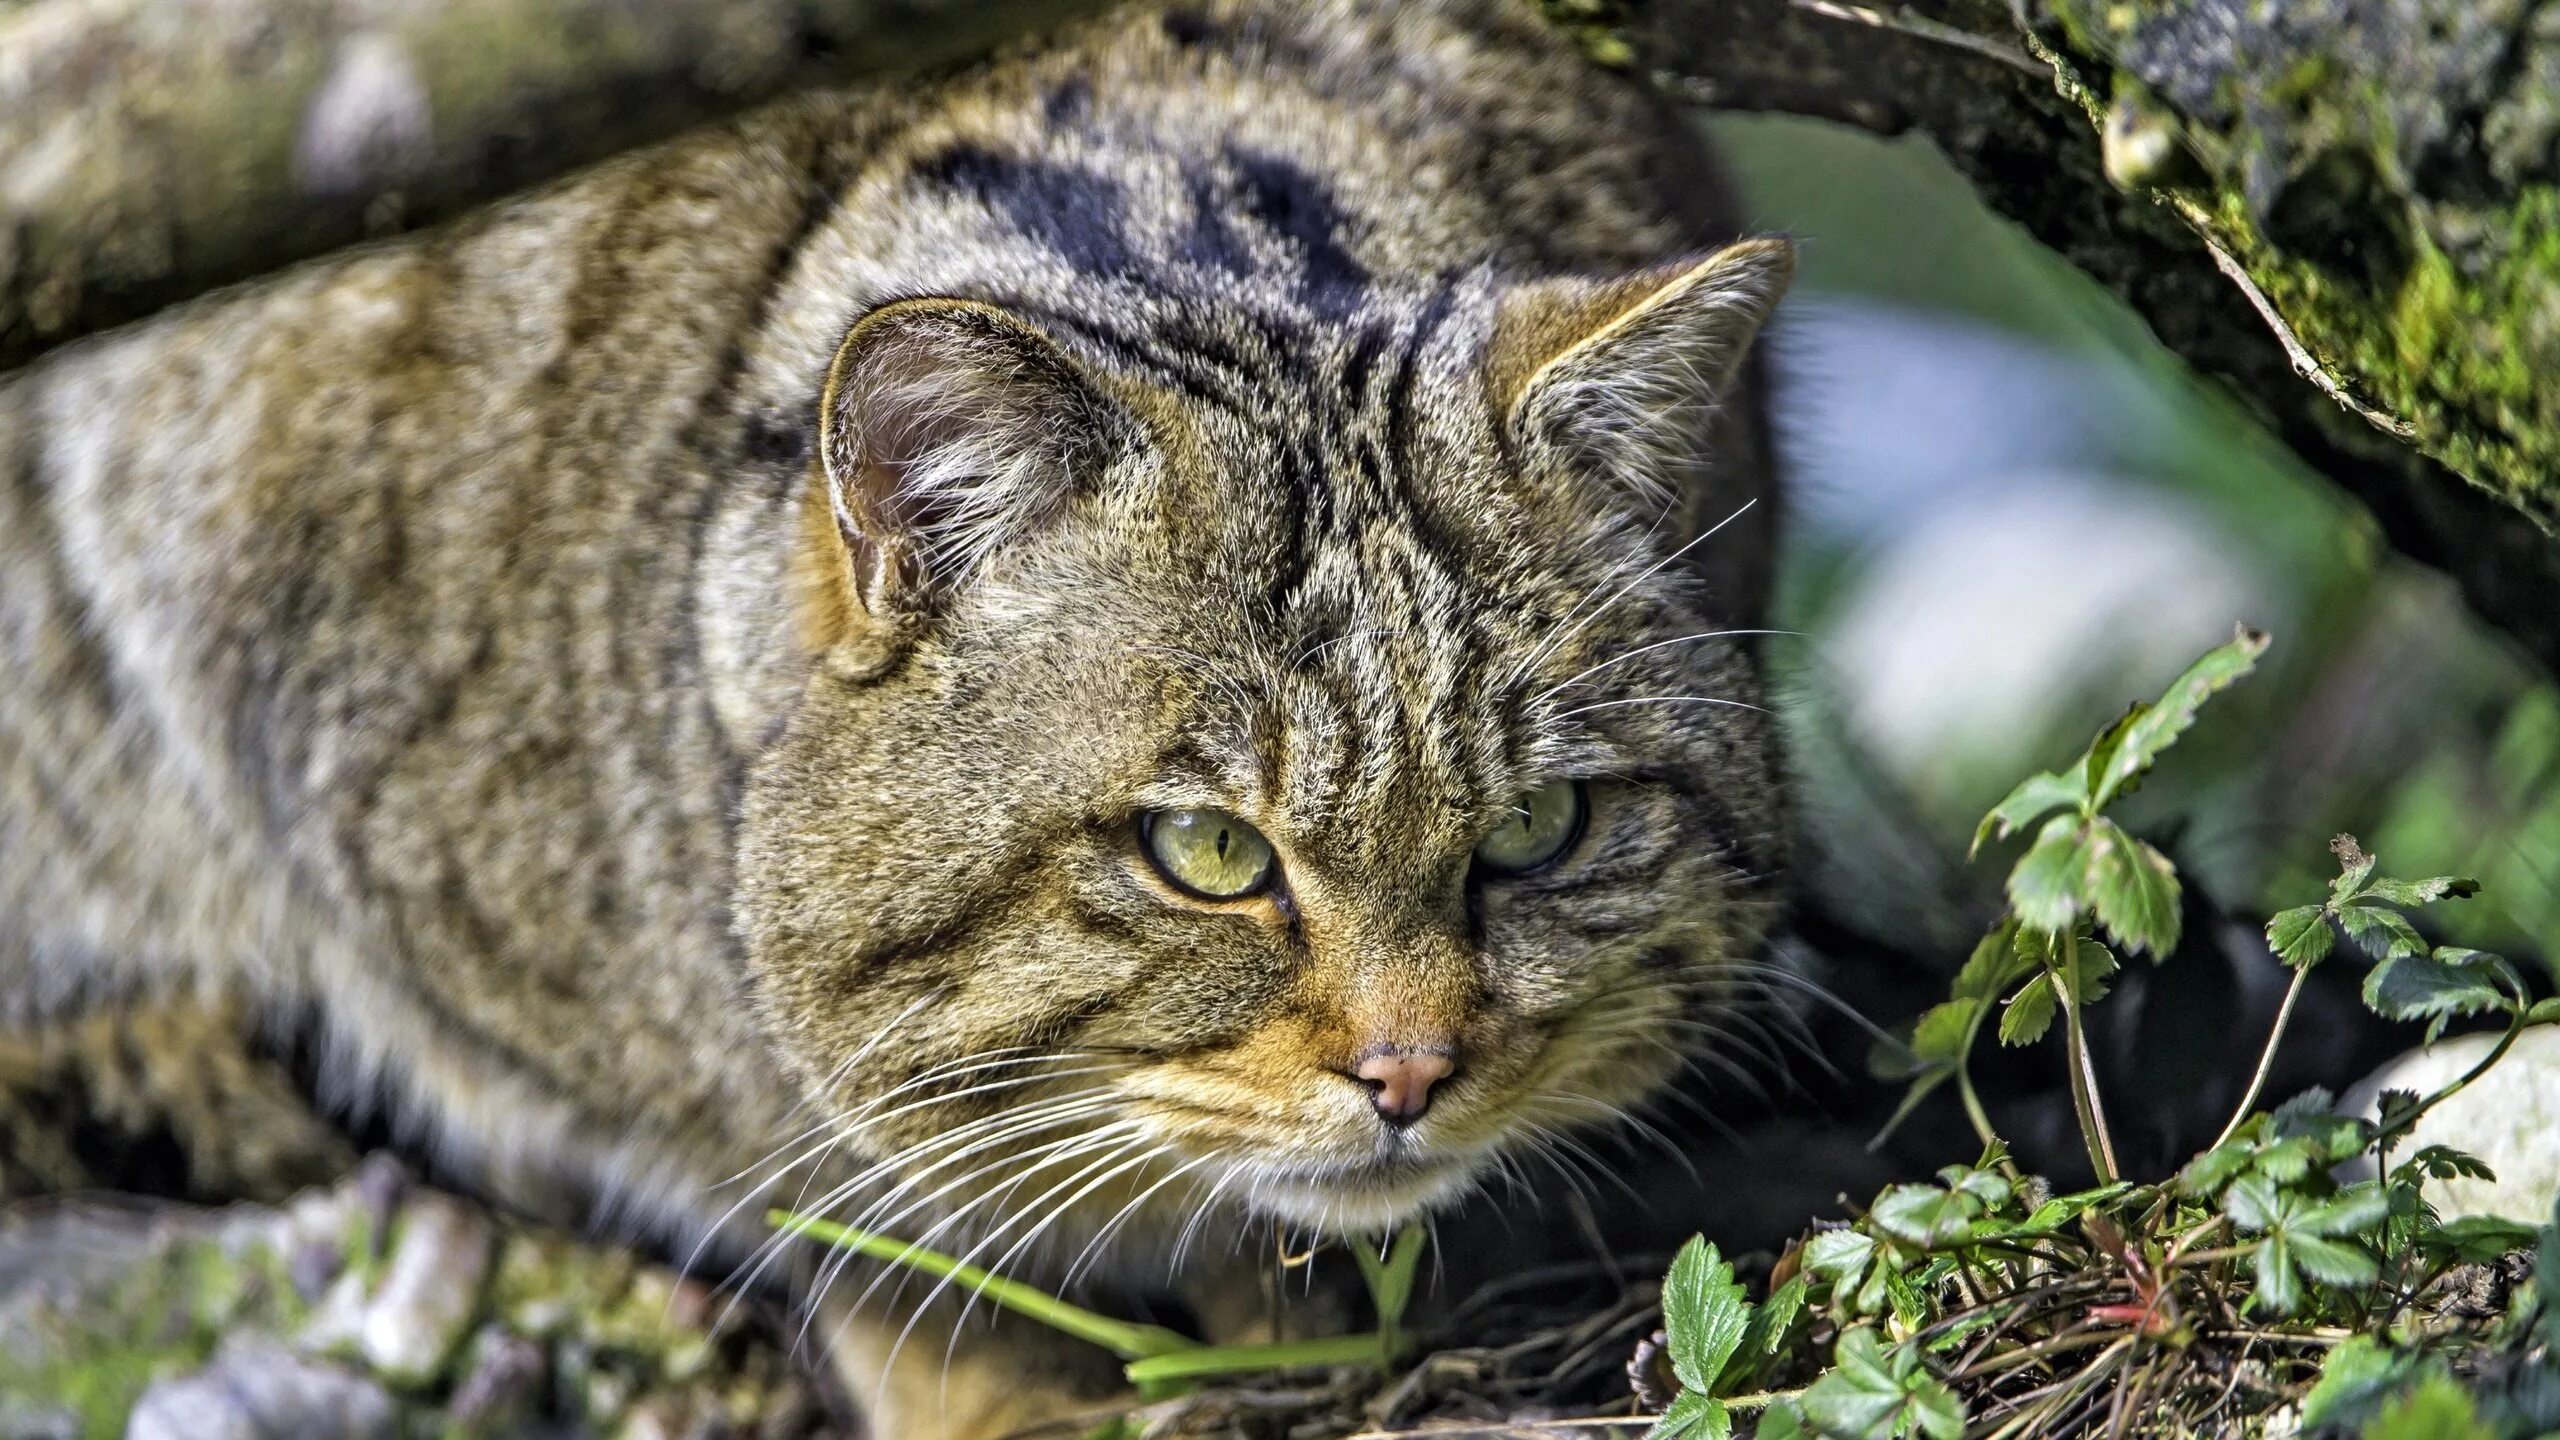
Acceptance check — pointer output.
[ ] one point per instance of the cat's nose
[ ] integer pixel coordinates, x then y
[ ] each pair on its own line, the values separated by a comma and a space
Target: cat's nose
1400, 1080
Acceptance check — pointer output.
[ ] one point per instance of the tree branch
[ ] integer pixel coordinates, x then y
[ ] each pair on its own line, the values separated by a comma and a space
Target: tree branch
154, 149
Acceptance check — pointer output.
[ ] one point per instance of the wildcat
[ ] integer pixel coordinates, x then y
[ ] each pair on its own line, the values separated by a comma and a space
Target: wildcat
1141, 635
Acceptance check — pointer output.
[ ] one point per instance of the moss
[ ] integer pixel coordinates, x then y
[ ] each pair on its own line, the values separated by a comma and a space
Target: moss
2344, 167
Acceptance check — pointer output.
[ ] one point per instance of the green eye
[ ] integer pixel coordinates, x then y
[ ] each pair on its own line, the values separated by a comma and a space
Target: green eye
1537, 828
1209, 853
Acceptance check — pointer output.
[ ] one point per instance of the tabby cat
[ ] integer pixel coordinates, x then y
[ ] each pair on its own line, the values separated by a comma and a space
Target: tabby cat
1147, 633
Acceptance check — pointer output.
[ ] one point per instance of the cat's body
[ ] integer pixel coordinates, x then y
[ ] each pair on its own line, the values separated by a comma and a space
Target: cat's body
452, 636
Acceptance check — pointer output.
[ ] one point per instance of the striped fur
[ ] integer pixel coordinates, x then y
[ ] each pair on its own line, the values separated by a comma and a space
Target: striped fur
674, 659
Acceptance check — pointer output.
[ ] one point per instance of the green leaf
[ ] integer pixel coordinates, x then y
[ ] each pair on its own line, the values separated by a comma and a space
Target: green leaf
1939, 1036
1783, 1420
1872, 1392
2045, 888
2436, 1408
1989, 1187
2102, 750
1762, 1336
2416, 987
2384, 934
2332, 1263
2157, 728
1839, 1256
2476, 1239
2443, 1162
2055, 1213
2544, 1012
2279, 1288
1705, 1313
2030, 1012
1925, 1215
2092, 963
2301, 936
2036, 797
1692, 1416
2414, 893
2135, 890
2353, 1210
2209, 1172
2356, 1375
1994, 963
2254, 1202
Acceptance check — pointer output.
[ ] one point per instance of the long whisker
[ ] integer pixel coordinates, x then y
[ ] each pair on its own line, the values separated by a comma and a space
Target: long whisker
1590, 670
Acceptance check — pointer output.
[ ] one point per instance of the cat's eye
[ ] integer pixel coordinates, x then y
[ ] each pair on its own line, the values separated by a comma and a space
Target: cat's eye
1538, 827
1208, 853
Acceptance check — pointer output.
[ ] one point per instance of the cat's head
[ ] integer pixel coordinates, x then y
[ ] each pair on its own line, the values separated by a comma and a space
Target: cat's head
1305, 761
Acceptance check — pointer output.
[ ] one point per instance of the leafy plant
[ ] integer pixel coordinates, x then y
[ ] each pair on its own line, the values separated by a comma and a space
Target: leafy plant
2251, 1282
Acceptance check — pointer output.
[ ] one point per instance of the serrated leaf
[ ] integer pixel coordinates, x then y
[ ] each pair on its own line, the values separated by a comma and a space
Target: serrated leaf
2134, 890
2416, 987
2036, 797
1995, 962
2253, 1202
2356, 1208
1762, 1336
1704, 1311
1925, 1215
2279, 1287
2029, 1013
2159, 727
1939, 1035
2414, 893
2055, 1213
1839, 1256
2477, 1239
2301, 936
2443, 1162
2331, 1262
1691, 1415
2091, 965
1782, 1420
2436, 1408
2384, 934
2356, 1374
2102, 750
2046, 886
1871, 1392
1986, 1186
2215, 1168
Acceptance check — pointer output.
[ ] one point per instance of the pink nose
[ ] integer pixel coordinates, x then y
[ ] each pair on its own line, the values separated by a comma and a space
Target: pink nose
1400, 1081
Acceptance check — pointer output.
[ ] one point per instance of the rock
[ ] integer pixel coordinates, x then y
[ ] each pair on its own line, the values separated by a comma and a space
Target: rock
2507, 1118
255, 1389
418, 1316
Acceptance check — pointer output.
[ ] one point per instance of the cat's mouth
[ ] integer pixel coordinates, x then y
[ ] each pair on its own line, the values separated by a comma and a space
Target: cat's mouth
1362, 1196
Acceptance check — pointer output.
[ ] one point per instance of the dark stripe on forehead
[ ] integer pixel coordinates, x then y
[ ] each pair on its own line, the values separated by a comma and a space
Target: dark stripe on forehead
1435, 313
1077, 214
1302, 210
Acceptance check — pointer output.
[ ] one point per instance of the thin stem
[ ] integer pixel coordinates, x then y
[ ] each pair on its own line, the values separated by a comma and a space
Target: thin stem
2497, 1052
1128, 1340
2084, 1076
1201, 1361
2266, 1060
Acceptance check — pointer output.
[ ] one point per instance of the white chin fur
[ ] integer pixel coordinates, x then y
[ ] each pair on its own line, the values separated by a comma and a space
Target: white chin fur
1358, 1209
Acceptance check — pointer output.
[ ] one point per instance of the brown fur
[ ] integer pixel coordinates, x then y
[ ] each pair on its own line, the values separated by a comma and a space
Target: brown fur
678, 659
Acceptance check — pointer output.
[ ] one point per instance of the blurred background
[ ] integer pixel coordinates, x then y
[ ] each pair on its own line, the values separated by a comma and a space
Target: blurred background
2013, 514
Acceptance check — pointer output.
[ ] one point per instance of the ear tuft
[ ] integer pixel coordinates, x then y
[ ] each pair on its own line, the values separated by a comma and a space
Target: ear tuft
947, 428
1626, 374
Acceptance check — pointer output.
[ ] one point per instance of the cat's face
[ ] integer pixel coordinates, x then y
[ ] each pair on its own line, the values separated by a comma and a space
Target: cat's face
1306, 779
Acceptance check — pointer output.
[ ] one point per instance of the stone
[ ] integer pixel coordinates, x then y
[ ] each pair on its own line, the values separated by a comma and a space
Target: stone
2507, 1118
255, 1389
430, 1289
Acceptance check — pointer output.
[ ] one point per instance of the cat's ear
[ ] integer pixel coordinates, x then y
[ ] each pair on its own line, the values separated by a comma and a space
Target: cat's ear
1626, 374
946, 429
